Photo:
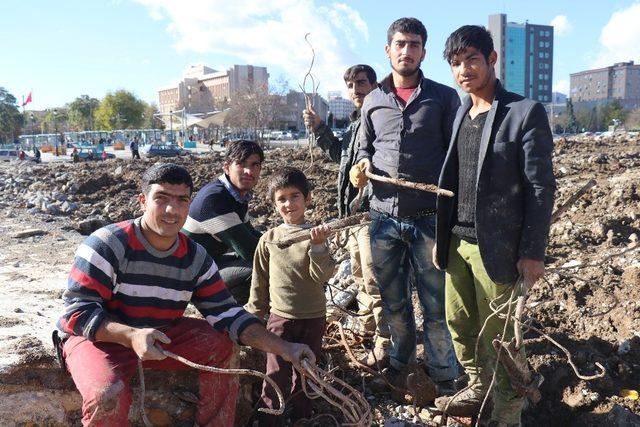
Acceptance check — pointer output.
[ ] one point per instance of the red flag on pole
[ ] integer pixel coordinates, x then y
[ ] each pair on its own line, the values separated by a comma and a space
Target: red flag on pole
28, 100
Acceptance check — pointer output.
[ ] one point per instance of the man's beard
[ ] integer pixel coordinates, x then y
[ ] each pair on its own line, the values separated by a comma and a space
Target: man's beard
405, 72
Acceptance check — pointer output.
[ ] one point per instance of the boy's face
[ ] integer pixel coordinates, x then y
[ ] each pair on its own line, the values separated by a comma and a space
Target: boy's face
291, 204
244, 175
472, 71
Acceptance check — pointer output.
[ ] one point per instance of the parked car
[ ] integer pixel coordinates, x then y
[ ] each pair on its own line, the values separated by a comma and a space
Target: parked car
87, 153
164, 150
8, 154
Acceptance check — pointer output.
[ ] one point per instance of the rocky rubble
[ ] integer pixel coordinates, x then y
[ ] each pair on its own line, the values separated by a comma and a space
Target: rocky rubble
589, 300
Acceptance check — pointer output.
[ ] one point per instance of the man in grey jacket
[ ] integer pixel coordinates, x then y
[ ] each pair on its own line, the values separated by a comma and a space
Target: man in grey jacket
405, 131
360, 80
495, 230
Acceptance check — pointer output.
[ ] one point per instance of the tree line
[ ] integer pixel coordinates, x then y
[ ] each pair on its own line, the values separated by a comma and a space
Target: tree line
596, 118
117, 110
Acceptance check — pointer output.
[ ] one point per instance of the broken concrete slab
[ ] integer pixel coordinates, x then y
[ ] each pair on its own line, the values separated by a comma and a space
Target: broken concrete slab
29, 233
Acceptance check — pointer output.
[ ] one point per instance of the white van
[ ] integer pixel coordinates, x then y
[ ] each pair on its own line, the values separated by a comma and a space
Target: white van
8, 154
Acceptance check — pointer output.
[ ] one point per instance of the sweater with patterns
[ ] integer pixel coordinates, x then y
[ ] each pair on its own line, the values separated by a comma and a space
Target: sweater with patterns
289, 281
117, 274
218, 220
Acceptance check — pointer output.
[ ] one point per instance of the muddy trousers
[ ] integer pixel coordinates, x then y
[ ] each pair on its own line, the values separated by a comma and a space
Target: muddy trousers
304, 331
369, 300
468, 291
102, 372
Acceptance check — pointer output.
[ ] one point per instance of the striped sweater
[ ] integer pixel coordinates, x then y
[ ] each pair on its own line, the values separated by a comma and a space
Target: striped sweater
218, 220
117, 274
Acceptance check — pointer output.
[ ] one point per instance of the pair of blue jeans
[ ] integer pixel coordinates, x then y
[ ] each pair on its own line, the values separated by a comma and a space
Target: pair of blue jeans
401, 252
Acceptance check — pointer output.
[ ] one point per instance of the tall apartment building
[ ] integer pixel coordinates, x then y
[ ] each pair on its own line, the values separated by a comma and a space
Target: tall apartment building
525, 57
203, 89
620, 81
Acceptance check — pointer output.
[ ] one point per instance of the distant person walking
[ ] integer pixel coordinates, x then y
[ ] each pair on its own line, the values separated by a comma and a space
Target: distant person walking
134, 149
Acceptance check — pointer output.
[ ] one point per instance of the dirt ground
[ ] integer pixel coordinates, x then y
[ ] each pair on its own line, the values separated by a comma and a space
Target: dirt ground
589, 300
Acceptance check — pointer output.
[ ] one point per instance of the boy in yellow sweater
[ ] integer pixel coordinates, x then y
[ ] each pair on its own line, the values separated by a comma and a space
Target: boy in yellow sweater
288, 284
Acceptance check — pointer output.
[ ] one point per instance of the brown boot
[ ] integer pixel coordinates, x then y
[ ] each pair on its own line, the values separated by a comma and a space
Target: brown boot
466, 404
377, 358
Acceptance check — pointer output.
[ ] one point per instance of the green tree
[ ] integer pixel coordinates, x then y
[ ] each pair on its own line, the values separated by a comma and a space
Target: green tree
572, 122
632, 121
55, 120
613, 112
11, 120
120, 110
149, 119
81, 112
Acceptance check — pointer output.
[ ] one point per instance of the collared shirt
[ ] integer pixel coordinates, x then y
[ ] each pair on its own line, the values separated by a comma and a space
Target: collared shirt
408, 142
234, 191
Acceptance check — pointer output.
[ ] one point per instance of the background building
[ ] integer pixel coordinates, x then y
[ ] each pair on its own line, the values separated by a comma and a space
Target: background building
601, 86
340, 108
525, 57
203, 89
292, 116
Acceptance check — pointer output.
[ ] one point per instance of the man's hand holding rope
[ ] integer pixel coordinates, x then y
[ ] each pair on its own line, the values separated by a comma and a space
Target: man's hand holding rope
531, 271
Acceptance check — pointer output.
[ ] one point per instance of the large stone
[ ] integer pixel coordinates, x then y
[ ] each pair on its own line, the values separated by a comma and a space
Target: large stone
68, 207
39, 393
28, 233
90, 225
619, 416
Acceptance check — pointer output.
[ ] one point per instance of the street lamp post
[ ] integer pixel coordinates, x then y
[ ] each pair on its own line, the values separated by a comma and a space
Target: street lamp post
33, 128
55, 129
171, 126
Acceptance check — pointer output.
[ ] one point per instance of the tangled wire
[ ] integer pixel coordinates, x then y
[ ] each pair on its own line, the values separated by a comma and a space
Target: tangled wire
316, 383
319, 383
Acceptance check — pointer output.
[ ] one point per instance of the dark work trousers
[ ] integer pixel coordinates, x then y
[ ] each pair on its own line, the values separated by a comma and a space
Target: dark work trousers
305, 331
236, 274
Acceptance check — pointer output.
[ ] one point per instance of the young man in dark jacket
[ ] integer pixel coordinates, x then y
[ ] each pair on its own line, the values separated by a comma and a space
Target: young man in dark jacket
405, 131
492, 236
360, 80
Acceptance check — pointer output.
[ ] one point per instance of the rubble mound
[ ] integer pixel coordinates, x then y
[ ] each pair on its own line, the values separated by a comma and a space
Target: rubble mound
589, 300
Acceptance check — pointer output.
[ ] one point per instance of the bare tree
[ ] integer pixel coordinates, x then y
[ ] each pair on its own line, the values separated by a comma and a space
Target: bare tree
254, 110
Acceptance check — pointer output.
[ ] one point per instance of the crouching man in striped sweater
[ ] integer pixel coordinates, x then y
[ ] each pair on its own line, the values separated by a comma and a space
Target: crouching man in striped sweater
127, 291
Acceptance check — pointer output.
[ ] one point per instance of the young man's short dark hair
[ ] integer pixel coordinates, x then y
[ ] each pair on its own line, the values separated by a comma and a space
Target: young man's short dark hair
168, 173
241, 150
407, 26
475, 36
352, 72
288, 177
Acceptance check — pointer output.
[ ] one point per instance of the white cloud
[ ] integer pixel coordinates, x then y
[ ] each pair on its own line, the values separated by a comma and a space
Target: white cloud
619, 37
561, 25
562, 86
269, 33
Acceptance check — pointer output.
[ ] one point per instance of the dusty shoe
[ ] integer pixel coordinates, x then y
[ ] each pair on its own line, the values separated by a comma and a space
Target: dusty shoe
466, 404
421, 388
377, 358
446, 388
391, 380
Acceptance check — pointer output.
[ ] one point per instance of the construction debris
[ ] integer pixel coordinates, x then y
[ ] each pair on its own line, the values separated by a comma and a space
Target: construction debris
590, 306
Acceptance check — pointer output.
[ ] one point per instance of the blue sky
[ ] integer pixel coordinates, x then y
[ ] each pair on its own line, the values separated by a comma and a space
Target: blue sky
63, 49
